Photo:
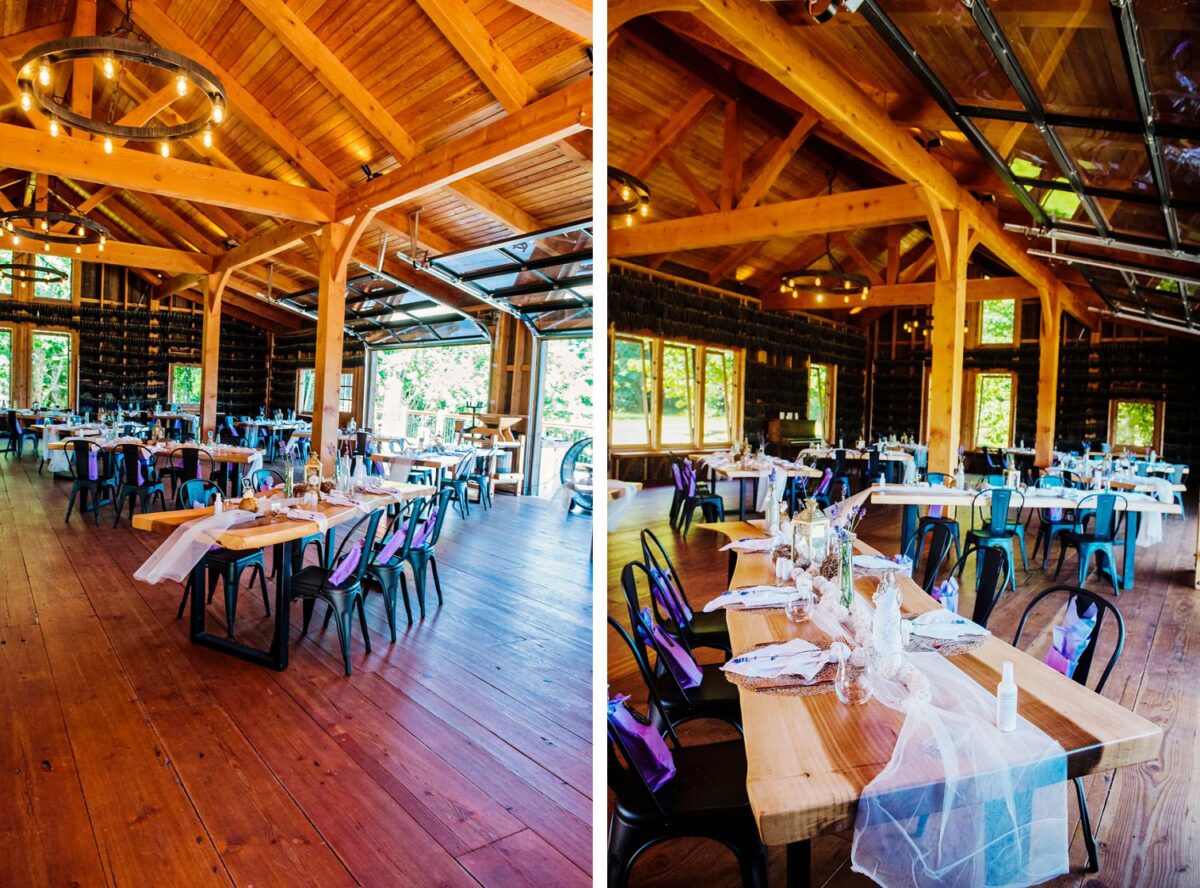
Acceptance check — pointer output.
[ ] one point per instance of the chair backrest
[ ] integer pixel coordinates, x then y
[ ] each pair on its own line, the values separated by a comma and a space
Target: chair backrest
633, 603
935, 550
625, 780
397, 539
1176, 474
464, 466
440, 502
993, 480
874, 464
362, 532
197, 490
993, 507
666, 589
826, 480
1106, 520
940, 479
137, 465
14, 423
1083, 601
193, 462
839, 462
265, 479
87, 460
991, 574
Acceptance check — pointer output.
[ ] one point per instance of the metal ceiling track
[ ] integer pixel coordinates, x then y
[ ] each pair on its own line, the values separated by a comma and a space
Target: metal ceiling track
1090, 239
895, 39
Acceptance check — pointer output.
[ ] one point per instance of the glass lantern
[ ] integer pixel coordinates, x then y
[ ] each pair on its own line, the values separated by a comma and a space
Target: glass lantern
810, 533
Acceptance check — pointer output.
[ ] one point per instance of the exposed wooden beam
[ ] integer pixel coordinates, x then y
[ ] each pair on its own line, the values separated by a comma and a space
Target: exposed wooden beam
731, 262
13, 46
836, 212
210, 349
677, 126
331, 319
704, 202
896, 295
894, 235
496, 207
459, 25
567, 111
731, 157
276, 240
862, 262
23, 148
571, 15
946, 348
1049, 335
176, 284
779, 158
82, 69
758, 32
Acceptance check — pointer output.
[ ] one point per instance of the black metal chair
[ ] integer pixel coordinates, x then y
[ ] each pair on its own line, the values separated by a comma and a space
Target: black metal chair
186, 464
1083, 602
343, 595
691, 494
577, 460
221, 565
715, 697
265, 479
91, 476
705, 798
480, 477
940, 540
140, 481
392, 552
18, 435
991, 575
457, 482
422, 555
697, 628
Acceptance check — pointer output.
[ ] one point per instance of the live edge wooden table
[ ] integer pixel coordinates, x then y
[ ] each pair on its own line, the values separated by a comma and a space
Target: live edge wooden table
280, 533
809, 758
910, 496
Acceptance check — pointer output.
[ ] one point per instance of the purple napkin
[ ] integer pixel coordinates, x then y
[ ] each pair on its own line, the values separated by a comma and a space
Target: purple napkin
425, 530
1070, 638
678, 660
662, 587
346, 566
647, 750
93, 469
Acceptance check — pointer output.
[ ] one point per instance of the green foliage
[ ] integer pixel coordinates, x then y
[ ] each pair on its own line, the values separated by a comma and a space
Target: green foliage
679, 386
998, 321
52, 369
993, 409
439, 378
185, 384
60, 290
818, 395
718, 396
567, 386
1135, 424
631, 373
5, 368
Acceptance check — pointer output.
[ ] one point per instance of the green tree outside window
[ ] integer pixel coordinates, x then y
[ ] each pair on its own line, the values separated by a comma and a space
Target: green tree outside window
993, 409
185, 384
631, 398
59, 289
998, 322
51, 353
5, 368
1135, 424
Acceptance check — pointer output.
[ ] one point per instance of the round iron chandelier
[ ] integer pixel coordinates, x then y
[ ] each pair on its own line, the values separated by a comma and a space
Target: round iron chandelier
113, 50
46, 227
628, 195
31, 272
833, 283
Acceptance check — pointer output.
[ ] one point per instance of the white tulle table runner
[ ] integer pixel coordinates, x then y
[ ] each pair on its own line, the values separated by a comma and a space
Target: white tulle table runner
960, 803
179, 553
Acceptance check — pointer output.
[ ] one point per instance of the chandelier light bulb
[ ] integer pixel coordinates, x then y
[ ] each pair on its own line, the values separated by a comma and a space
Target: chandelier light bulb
26, 101
207, 138
81, 231
110, 67
16, 239
846, 299
46, 246
820, 297
164, 149
625, 192
218, 112
45, 225
644, 209
54, 127
181, 85
78, 249
44, 74
107, 145
628, 220
817, 282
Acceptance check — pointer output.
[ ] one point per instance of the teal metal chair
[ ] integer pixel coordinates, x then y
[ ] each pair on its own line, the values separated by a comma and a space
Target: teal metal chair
937, 514
1050, 526
939, 549
1100, 511
1176, 477
990, 525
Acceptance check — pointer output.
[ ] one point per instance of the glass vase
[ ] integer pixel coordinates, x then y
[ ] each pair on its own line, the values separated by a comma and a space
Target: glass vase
846, 568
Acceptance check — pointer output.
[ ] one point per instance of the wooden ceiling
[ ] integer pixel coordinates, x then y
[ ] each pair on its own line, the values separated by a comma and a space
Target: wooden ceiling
317, 89
707, 129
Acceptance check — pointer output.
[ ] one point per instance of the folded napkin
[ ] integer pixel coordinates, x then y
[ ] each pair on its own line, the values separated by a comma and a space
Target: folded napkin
796, 657
751, 544
943, 625
318, 518
875, 563
752, 596
339, 499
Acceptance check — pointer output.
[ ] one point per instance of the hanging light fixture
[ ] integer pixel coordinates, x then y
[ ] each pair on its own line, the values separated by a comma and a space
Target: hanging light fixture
628, 196
40, 225
113, 50
32, 272
833, 281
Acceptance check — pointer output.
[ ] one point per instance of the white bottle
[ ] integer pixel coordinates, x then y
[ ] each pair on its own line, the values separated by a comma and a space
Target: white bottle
1006, 700
217, 505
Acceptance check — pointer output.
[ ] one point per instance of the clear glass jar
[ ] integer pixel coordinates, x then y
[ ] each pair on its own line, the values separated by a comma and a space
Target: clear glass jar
851, 684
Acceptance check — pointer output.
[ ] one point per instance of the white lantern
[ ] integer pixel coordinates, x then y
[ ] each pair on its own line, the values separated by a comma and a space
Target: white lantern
810, 533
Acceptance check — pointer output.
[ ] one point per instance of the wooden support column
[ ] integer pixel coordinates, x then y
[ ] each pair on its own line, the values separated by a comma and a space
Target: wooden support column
335, 245
210, 351
946, 341
1047, 403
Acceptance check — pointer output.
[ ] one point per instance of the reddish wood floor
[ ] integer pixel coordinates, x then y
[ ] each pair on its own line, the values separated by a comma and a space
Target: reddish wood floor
1146, 818
459, 755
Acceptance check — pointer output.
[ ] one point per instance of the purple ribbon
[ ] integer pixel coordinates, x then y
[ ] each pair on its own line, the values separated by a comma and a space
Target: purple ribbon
648, 752
678, 661
346, 566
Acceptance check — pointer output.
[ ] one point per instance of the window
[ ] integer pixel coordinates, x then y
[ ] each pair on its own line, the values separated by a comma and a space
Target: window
1135, 424
185, 385
61, 289
821, 381
997, 321
5, 368
678, 394
416, 386
306, 384
51, 369
993, 409
673, 394
719, 395
632, 399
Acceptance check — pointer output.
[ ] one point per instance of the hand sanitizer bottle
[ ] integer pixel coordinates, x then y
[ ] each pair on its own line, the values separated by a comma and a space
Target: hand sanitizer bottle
1006, 700
217, 505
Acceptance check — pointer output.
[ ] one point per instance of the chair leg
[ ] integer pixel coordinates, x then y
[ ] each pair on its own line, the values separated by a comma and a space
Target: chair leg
624, 843
419, 580
307, 610
388, 587
362, 620
404, 594
1085, 822
187, 591
71, 505
1062, 554
231, 597
262, 585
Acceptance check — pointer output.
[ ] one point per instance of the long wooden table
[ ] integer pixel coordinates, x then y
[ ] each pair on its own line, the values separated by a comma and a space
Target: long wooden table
741, 474
280, 534
809, 758
913, 496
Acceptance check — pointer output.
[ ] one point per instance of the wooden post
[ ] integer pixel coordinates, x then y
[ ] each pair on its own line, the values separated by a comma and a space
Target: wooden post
331, 318
210, 351
1047, 403
946, 341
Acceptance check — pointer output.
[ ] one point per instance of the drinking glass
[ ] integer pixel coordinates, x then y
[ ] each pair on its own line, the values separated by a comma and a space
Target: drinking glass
851, 684
799, 607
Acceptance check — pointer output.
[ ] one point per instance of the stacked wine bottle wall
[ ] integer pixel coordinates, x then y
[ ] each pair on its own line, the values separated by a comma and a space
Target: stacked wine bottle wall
298, 351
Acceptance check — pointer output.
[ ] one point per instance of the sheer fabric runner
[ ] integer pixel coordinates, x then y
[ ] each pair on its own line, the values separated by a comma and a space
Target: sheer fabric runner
960, 803
187, 544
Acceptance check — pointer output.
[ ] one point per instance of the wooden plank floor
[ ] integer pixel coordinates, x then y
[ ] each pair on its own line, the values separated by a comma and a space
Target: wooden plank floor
1145, 818
460, 755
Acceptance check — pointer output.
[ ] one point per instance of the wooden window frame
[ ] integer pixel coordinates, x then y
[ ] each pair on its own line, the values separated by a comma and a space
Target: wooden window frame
171, 382
828, 434
658, 345
14, 372
971, 393
1160, 409
975, 324
355, 383
72, 370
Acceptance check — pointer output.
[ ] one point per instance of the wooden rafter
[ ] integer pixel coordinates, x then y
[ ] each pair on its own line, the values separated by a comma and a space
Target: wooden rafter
774, 164
704, 202
676, 128
897, 295
571, 15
